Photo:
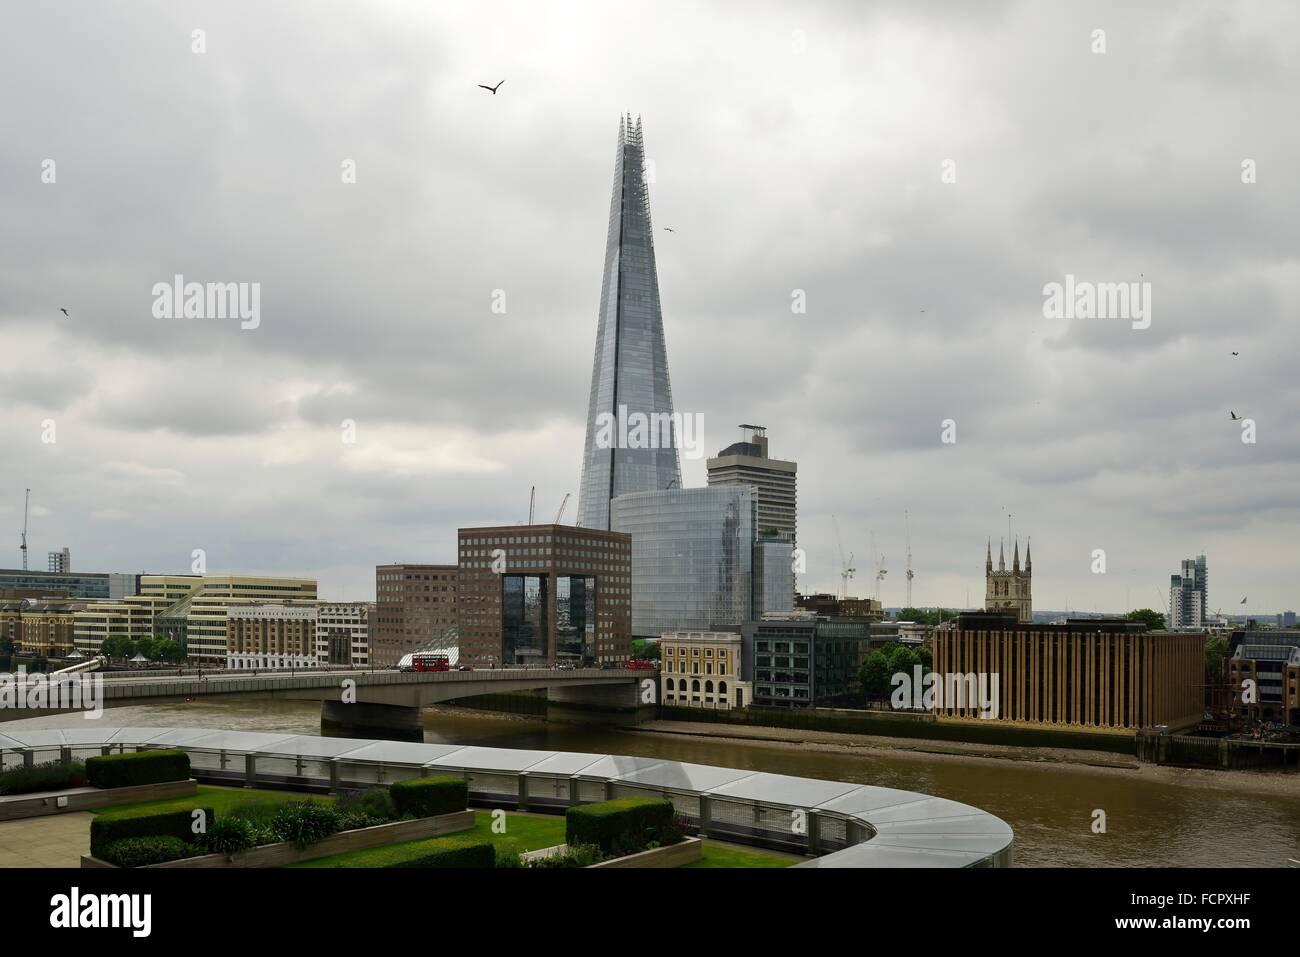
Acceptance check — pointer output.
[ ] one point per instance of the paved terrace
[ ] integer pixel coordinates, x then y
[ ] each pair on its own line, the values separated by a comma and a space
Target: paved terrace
848, 825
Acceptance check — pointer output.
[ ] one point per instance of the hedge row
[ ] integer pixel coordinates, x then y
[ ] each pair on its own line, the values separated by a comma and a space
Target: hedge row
619, 824
429, 797
106, 829
50, 776
138, 767
140, 851
453, 852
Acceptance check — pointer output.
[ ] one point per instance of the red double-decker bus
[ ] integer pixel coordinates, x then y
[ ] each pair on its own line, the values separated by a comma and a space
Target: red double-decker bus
423, 661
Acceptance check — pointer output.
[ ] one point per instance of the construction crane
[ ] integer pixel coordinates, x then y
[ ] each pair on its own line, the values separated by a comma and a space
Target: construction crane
26, 500
846, 566
908, 531
532, 503
560, 514
880, 565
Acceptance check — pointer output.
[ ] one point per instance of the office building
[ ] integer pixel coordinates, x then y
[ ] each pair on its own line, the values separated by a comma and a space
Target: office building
1009, 590
702, 669
342, 633
1264, 675
692, 557
803, 660
1108, 674
773, 577
60, 562
629, 377
39, 628
544, 595
829, 606
15, 582
271, 635
1286, 619
1188, 595
414, 605
747, 463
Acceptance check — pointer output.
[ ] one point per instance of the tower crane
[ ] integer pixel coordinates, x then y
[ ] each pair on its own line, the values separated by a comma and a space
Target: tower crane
880, 565
560, 514
846, 566
26, 500
908, 531
532, 502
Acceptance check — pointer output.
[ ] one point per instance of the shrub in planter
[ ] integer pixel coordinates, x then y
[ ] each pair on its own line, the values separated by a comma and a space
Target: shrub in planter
231, 834
138, 767
621, 826
356, 820
146, 822
373, 802
455, 852
581, 855
305, 822
49, 776
139, 851
428, 797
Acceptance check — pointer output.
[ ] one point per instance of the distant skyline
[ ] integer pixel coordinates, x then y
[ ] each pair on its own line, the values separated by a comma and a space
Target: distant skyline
796, 154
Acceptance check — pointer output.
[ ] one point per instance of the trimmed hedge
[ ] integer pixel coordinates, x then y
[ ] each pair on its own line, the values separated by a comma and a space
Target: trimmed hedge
429, 797
105, 829
458, 852
138, 767
49, 776
619, 824
139, 851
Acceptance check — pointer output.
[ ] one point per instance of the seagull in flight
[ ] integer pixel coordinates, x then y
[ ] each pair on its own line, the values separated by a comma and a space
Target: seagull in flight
670, 229
1235, 416
1234, 353
491, 89
64, 311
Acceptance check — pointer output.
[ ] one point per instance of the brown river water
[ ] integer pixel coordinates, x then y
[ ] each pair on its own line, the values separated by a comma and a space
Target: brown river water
1148, 823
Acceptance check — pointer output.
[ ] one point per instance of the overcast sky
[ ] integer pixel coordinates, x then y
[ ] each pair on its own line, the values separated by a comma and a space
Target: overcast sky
793, 149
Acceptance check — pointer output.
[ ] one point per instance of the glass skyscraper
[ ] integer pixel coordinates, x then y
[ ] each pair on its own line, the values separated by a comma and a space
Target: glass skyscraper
692, 557
629, 375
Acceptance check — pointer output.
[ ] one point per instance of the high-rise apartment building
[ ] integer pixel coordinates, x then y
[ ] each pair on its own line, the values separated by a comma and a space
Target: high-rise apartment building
414, 604
629, 376
1189, 595
544, 595
60, 562
343, 633
774, 481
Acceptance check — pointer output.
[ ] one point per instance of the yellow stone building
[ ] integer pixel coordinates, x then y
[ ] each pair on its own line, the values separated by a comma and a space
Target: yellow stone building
702, 669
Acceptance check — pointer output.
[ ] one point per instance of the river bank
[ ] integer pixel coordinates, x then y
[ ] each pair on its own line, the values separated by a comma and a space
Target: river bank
833, 742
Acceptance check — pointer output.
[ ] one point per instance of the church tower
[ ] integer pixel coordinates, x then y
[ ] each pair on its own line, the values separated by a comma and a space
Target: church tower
1006, 590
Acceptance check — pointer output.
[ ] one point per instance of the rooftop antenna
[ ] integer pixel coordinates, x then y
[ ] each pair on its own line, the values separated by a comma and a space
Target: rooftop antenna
908, 530
26, 499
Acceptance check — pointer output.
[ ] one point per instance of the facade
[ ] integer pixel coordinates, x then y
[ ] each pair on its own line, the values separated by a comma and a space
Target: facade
342, 633
60, 563
1271, 660
747, 463
1189, 594
692, 557
702, 669
414, 604
39, 628
1009, 590
803, 660
271, 635
1085, 674
830, 606
66, 584
544, 595
773, 577
629, 376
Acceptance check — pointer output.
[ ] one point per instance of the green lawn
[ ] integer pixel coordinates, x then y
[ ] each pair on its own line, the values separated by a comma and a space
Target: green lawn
724, 855
220, 799
524, 832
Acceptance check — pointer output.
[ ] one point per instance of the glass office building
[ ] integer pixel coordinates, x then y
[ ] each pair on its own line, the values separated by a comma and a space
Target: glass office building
629, 375
773, 577
692, 557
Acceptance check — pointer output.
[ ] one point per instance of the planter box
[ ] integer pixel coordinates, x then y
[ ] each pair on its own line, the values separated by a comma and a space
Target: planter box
674, 855
39, 803
278, 855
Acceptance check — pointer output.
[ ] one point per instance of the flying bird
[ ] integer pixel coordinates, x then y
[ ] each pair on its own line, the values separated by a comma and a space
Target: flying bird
1235, 416
64, 311
670, 229
1234, 353
491, 89
1243, 601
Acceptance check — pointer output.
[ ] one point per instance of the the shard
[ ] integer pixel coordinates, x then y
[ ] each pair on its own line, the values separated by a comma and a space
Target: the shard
629, 376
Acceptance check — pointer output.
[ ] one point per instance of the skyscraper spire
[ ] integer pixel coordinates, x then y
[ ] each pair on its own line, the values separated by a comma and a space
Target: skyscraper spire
629, 375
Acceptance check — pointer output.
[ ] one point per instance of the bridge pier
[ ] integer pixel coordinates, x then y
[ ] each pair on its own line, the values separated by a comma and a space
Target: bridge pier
599, 704
391, 722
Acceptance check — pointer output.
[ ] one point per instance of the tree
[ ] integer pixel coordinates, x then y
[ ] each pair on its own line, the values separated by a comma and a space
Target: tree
648, 651
923, 617
875, 674
116, 646
1149, 617
165, 649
